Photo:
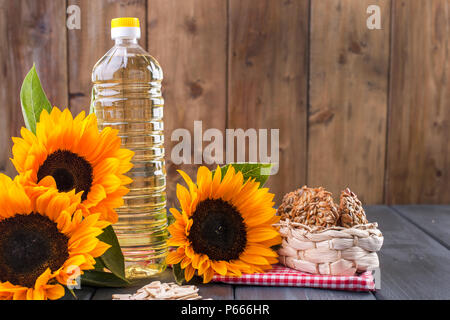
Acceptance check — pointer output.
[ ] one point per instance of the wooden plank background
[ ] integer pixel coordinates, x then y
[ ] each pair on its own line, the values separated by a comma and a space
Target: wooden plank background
418, 166
348, 94
368, 109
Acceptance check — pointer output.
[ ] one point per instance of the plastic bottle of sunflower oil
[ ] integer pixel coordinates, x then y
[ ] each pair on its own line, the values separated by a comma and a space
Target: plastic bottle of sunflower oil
127, 96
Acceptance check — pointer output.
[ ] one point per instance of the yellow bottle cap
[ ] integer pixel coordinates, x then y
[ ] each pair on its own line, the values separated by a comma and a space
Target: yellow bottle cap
125, 28
125, 22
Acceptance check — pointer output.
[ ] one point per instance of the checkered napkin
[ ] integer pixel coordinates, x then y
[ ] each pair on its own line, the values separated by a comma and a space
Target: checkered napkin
282, 276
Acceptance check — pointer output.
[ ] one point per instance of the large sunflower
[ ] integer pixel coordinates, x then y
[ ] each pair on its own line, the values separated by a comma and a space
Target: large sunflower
72, 154
225, 226
44, 240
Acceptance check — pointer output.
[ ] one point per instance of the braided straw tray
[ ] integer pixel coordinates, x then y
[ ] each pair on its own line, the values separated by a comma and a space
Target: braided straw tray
330, 251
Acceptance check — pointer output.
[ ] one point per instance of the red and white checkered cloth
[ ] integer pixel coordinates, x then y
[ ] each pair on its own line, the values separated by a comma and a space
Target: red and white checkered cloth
282, 276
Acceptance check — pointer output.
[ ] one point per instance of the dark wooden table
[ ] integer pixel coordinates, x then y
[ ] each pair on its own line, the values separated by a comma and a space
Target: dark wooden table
414, 263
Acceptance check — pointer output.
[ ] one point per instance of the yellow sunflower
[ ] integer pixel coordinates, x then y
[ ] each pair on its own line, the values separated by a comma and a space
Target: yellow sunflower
72, 154
44, 240
225, 226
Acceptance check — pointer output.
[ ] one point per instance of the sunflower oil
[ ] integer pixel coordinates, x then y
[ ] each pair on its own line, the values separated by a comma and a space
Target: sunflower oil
127, 97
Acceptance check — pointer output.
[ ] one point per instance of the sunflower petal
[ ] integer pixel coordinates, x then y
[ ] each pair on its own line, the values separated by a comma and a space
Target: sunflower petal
186, 178
189, 273
100, 249
261, 234
220, 267
208, 275
260, 250
253, 258
175, 257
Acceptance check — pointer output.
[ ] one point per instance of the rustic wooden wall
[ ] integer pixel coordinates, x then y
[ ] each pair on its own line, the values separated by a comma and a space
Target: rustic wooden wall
369, 109
418, 163
348, 97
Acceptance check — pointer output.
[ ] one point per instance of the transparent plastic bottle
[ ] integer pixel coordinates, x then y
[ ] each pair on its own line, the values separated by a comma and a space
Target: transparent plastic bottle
127, 97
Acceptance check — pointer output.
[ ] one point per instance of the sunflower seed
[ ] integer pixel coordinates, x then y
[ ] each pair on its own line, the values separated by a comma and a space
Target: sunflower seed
162, 291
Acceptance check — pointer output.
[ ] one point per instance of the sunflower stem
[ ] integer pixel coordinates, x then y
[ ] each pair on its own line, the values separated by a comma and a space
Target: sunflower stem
73, 293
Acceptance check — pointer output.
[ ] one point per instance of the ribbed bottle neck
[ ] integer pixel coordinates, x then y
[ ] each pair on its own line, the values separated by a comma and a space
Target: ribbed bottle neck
124, 42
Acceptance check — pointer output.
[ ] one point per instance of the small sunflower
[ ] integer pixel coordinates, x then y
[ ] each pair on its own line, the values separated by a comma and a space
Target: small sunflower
225, 226
72, 154
44, 240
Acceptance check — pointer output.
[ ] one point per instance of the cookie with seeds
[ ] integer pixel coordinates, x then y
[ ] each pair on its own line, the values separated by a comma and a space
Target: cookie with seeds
310, 206
351, 211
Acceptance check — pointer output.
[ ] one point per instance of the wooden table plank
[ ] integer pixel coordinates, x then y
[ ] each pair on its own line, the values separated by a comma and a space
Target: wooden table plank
214, 291
432, 219
269, 293
413, 265
293, 293
324, 294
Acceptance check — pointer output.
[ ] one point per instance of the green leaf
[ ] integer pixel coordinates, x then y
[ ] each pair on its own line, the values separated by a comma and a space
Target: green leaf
259, 171
96, 278
33, 99
99, 265
170, 218
178, 273
112, 259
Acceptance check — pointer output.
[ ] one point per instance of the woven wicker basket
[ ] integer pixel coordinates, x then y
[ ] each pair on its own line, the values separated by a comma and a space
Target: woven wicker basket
331, 251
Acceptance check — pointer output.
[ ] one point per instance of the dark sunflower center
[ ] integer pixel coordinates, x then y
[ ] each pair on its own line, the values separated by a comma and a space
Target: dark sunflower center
69, 170
218, 230
29, 244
